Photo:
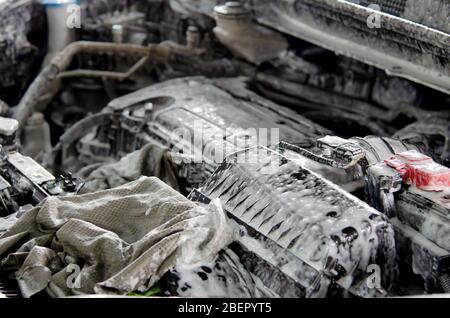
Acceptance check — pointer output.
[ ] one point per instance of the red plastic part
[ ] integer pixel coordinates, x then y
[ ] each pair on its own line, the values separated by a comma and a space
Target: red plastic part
420, 170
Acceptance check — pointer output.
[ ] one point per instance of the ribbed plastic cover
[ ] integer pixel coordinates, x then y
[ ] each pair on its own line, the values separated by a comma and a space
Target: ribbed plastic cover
311, 218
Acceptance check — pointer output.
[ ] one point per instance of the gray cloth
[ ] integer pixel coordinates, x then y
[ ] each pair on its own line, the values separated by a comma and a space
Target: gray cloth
150, 161
7, 222
122, 240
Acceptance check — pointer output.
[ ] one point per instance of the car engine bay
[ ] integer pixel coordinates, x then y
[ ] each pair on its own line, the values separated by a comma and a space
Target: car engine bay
209, 148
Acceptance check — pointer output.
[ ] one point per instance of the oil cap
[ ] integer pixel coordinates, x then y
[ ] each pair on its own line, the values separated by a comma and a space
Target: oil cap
8, 126
232, 9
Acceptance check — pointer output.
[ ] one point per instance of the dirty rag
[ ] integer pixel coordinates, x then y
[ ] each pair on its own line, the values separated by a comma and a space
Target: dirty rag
111, 242
150, 161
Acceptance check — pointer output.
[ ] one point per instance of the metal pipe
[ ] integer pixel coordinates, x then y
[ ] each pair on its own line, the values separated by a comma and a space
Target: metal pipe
46, 80
165, 53
319, 96
121, 76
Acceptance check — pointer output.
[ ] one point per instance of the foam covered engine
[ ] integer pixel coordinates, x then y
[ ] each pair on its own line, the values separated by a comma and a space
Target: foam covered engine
301, 227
